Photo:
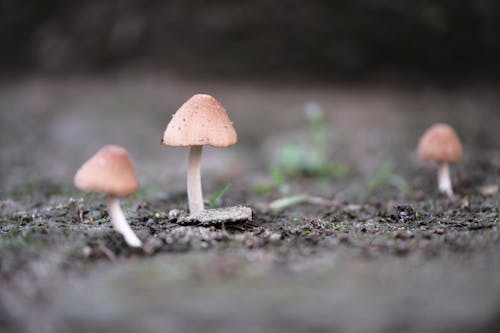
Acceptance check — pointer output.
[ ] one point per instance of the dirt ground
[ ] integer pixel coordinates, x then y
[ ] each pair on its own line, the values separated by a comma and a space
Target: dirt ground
369, 247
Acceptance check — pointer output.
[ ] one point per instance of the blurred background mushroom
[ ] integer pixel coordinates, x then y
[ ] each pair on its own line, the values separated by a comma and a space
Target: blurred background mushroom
110, 171
441, 144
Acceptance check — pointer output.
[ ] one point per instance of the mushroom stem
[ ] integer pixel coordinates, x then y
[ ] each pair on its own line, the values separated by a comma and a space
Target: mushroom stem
195, 194
120, 223
444, 180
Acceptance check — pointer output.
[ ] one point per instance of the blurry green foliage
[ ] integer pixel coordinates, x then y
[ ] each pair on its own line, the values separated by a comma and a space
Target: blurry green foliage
305, 159
386, 176
436, 18
278, 182
311, 158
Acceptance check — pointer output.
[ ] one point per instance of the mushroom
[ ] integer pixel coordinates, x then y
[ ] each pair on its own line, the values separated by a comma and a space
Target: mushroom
200, 121
110, 171
440, 143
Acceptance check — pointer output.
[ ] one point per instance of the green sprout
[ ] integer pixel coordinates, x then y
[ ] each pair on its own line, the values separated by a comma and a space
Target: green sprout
278, 182
308, 159
311, 159
386, 176
219, 195
282, 203
262, 188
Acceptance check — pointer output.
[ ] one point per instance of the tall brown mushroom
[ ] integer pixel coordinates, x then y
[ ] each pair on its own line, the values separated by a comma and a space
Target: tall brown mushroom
440, 143
200, 121
110, 171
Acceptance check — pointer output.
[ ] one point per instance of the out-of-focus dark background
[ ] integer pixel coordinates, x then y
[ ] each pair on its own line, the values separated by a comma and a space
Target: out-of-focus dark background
453, 38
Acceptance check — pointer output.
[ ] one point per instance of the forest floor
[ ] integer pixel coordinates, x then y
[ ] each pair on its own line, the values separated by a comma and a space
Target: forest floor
348, 232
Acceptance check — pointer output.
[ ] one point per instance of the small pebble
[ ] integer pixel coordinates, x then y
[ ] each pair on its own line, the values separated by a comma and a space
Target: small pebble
489, 190
343, 238
86, 251
275, 238
173, 214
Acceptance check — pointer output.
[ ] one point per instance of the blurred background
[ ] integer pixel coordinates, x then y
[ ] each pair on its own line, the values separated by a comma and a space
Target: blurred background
76, 75
323, 39
329, 99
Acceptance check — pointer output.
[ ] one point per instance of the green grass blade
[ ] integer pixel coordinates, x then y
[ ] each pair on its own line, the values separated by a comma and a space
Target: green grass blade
219, 195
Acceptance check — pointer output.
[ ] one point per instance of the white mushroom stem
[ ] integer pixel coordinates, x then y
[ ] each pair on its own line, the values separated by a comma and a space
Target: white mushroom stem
120, 223
444, 180
195, 194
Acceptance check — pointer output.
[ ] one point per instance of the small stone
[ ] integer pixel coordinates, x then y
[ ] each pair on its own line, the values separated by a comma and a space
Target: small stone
275, 238
403, 234
464, 203
343, 238
87, 251
152, 244
217, 216
173, 214
488, 190
402, 249
405, 213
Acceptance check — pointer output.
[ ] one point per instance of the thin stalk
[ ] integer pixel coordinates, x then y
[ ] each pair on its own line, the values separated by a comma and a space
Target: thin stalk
444, 180
195, 194
120, 223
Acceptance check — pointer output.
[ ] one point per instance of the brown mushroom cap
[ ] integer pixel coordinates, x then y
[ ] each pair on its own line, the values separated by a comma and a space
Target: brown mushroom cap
202, 120
110, 171
440, 143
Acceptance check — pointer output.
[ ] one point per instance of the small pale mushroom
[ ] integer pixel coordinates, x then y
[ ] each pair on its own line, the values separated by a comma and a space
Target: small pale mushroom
111, 171
200, 121
440, 143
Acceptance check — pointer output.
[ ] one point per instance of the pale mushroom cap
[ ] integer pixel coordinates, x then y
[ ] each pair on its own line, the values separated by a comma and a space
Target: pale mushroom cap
202, 120
110, 171
440, 143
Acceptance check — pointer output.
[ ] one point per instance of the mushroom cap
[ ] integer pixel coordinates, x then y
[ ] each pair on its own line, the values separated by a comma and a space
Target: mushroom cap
440, 143
202, 120
110, 171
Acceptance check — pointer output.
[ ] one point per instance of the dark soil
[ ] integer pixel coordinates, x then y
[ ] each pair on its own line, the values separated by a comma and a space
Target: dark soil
378, 258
